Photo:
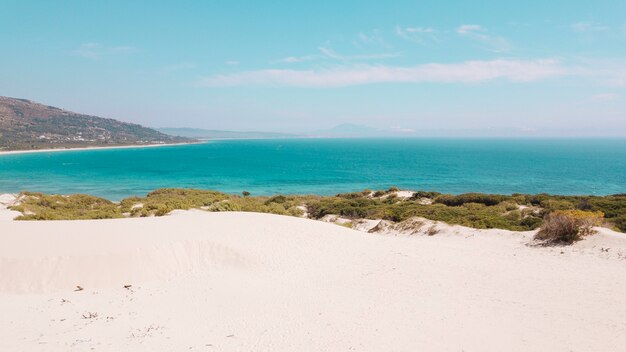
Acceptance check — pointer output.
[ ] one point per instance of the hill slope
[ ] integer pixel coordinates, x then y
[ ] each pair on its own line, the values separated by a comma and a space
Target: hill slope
28, 125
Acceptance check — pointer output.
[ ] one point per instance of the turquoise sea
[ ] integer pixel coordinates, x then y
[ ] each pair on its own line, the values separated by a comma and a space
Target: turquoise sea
329, 166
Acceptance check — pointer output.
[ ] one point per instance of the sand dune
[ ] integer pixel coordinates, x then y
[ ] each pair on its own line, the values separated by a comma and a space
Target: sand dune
259, 282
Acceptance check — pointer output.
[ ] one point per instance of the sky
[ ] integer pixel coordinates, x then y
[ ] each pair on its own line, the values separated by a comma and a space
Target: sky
532, 68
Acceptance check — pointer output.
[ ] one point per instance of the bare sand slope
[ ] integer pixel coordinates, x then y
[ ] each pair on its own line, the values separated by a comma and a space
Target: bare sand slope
7, 200
258, 282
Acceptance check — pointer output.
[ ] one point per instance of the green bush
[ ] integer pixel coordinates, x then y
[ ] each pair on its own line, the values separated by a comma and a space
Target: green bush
425, 194
486, 199
280, 199
162, 201
620, 223
224, 206
471, 209
39, 206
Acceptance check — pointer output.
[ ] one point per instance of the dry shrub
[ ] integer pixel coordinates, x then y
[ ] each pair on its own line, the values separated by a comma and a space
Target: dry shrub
585, 218
568, 226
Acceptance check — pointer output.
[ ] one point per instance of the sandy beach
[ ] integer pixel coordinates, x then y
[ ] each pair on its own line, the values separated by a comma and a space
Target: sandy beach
258, 282
54, 150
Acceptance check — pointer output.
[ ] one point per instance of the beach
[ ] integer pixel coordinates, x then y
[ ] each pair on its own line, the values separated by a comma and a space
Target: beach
54, 150
234, 281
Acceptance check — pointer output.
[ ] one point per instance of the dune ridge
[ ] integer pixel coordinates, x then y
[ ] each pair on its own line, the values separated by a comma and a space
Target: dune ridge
248, 281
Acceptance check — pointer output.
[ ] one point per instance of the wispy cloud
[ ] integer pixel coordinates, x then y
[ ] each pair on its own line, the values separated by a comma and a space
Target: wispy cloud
372, 38
603, 97
332, 54
419, 35
326, 53
480, 34
296, 59
232, 62
96, 51
587, 27
465, 72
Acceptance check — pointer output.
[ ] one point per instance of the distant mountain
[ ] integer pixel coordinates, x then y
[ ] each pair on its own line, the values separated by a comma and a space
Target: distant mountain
199, 133
350, 130
25, 124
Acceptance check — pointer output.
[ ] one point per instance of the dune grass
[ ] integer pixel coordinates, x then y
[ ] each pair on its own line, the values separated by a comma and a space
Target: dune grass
513, 212
39, 206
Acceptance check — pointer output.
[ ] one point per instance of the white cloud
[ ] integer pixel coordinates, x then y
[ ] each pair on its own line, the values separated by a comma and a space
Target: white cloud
232, 62
586, 27
419, 30
95, 51
465, 72
603, 97
330, 53
373, 38
481, 34
419, 35
296, 59
470, 29
327, 53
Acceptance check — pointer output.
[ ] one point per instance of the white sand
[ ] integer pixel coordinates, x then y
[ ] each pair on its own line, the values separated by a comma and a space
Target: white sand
53, 150
6, 200
259, 282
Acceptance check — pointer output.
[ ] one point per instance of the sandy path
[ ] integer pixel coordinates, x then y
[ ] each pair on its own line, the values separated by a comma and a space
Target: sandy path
258, 282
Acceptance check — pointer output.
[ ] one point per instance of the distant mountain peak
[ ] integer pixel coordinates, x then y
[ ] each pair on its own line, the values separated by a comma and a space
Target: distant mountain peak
200, 133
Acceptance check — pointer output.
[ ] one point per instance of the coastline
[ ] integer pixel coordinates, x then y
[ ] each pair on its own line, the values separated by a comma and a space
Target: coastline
131, 146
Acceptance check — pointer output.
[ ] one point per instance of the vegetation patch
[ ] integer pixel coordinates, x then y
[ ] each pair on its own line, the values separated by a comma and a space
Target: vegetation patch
517, 212
39, 206
569, 226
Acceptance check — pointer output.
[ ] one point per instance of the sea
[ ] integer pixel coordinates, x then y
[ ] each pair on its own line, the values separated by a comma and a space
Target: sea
329, 166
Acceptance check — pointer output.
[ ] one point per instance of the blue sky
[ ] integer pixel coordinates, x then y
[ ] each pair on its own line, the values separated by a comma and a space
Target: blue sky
479, 68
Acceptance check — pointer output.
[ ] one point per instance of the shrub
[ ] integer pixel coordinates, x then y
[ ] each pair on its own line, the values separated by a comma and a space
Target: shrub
585, 218
620, 223
556, 204
509, 206
245, 193
558, 228
393, 189
568, 226
162, 201
224, 206
352, 195
471, 209
425, 194
38, 206
162, 210
280, 199
486, 199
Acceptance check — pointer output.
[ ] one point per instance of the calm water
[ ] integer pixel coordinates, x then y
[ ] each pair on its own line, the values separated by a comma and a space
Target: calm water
329, 166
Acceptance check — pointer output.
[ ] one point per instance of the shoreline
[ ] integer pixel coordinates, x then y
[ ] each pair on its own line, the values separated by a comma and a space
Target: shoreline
55, 150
